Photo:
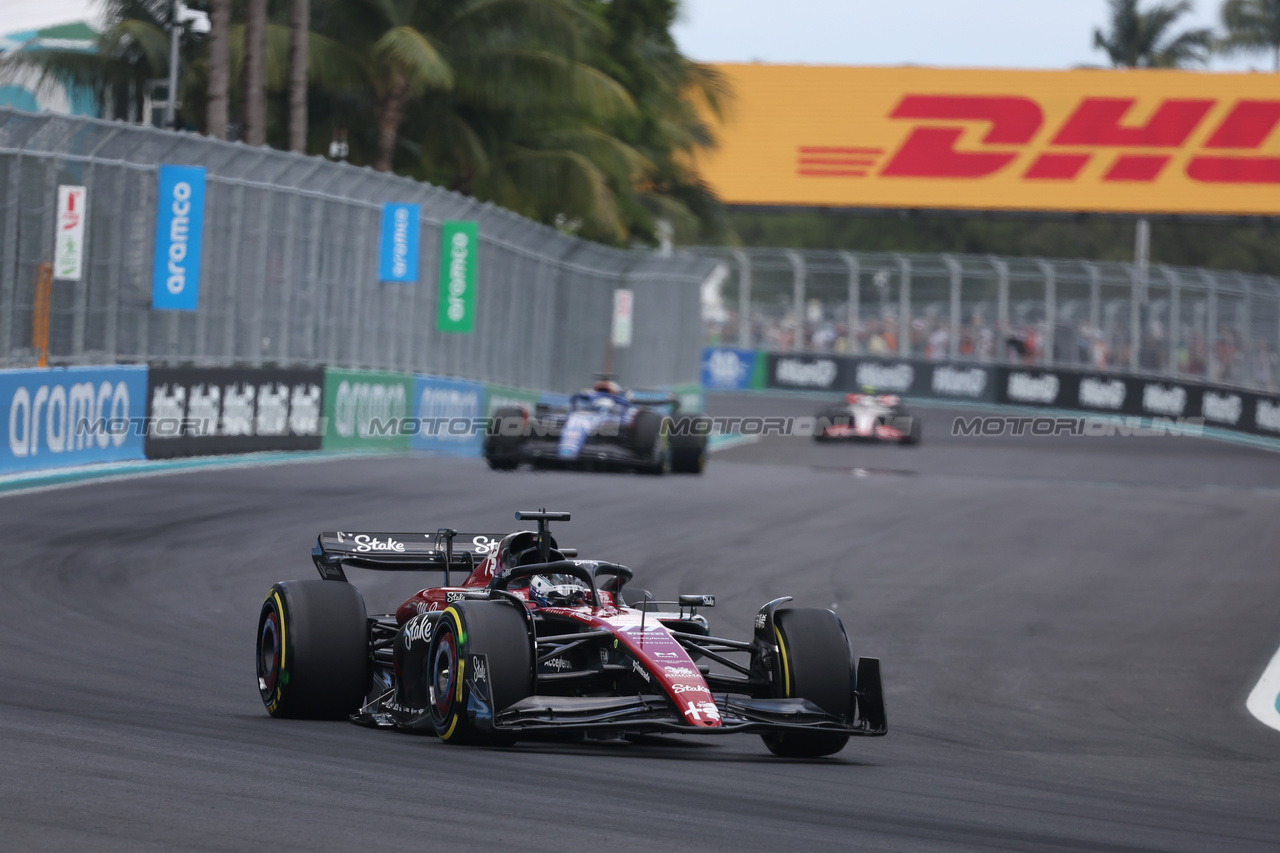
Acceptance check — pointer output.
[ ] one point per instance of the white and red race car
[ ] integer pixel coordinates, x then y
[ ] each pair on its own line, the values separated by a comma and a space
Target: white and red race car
868, 417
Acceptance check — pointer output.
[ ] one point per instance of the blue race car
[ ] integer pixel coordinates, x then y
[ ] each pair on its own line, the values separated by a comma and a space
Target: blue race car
602, 428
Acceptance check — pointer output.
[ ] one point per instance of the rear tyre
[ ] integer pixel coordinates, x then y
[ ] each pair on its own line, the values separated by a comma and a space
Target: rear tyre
817, 666
466, 628
313, 650
502, 445
689, 452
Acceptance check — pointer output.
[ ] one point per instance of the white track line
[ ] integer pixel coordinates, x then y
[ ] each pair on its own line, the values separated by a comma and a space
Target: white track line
1264, 701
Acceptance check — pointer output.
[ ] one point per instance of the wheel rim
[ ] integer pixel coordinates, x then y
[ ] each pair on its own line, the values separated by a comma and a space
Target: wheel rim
443, 674
269, 652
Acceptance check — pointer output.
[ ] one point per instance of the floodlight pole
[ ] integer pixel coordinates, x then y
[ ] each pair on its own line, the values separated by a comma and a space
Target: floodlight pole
175, 31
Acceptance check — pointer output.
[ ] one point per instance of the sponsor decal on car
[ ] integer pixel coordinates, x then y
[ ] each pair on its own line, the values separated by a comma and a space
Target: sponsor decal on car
702, 710
679, 671
558, 664
484, 544
640, 670
418, 630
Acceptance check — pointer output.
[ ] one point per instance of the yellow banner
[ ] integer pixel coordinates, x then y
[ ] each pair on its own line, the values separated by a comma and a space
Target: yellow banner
1089, 140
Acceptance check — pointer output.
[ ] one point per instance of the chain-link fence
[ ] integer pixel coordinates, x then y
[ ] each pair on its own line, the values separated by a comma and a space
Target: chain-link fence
289, 273
1166, 321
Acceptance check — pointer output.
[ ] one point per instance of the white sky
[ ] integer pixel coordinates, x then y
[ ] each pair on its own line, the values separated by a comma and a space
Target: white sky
21, 15
981, 33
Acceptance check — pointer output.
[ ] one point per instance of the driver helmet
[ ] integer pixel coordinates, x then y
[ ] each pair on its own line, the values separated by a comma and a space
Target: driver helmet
869, 389
557, 590
607, 386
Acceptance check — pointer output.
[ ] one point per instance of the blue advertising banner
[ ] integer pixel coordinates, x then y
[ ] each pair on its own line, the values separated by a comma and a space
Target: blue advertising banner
71, 416
398, 249
175, 282
446, 413
727, 369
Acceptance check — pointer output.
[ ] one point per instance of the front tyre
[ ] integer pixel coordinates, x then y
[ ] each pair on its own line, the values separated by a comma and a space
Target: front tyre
313, 650
816, 665
497, 631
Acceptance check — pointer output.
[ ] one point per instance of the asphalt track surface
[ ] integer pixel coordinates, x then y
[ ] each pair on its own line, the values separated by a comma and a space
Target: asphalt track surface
1068, 629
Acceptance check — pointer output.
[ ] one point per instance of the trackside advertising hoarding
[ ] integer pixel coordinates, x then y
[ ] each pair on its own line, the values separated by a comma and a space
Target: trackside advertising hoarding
175, 284
906, 377
1102, 393
446, 411
209, 411
71, 416
364, 410
732, 369
398, 247
459, 248
1131, 141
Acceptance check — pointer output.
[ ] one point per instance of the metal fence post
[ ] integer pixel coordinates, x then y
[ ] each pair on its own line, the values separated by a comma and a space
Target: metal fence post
236, 233
1175, 316
1002, 307
854, 306
1136, 286
1211, 332
957, 279
1095, 296
1050, 309
744, 298
904, 307
9, 258
797, 299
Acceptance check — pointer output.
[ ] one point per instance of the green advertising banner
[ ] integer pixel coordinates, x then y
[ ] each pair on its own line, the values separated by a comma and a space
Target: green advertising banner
364, 409
459, 245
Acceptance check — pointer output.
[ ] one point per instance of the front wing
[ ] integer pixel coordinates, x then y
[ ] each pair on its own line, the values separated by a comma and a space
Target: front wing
643, 714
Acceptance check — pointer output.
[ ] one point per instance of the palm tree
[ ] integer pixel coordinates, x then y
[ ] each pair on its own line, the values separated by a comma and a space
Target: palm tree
1145, 39
1252, 25
217, 114
300, 32
255, 72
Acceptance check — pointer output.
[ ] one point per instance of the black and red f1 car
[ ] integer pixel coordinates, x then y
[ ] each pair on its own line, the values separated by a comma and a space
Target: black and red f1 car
535, 641
868, 417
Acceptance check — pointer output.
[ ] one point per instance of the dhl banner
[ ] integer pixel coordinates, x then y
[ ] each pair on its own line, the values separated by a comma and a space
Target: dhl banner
1086, 140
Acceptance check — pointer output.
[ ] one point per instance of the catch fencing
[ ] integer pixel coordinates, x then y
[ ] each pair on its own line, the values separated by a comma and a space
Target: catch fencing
1198, 325
289, 273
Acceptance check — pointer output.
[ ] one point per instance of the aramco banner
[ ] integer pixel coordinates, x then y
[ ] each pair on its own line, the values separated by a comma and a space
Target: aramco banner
1087, 140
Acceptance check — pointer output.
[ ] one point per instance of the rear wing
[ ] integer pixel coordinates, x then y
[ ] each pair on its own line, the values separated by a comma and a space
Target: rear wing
445, 550
655, 398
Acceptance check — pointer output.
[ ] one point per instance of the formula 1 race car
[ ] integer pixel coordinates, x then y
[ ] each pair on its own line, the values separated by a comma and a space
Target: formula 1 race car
868, 417
535, 642
603, 428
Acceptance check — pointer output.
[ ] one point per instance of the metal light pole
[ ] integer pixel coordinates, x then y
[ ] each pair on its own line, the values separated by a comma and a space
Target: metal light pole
175, 32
